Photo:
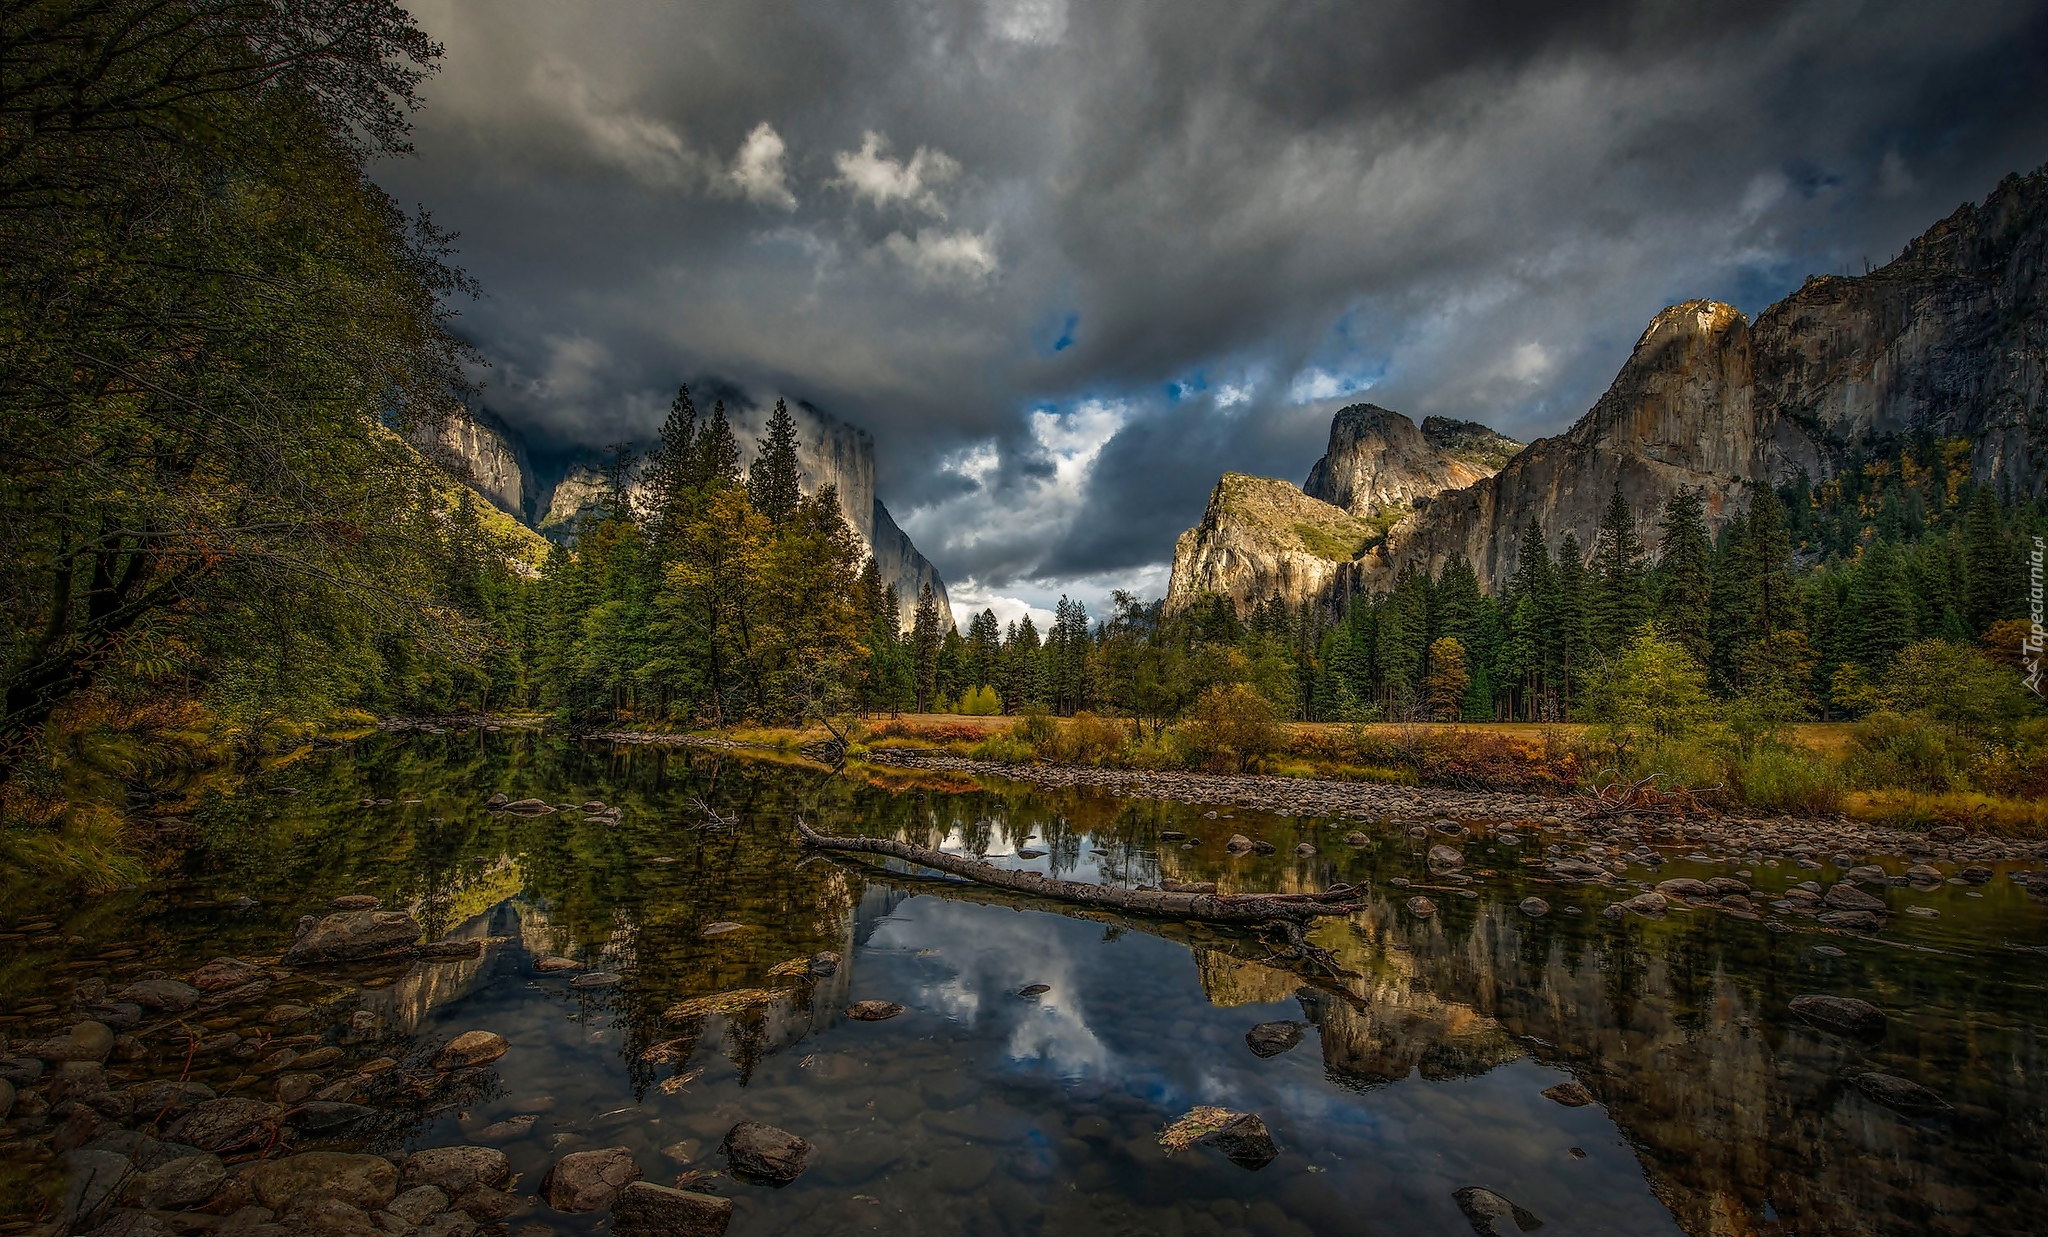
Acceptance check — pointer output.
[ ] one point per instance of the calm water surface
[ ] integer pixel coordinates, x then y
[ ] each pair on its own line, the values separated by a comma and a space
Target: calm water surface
980, 1111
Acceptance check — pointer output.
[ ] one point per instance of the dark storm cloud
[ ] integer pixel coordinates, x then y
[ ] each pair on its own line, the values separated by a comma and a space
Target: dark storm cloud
1069, 261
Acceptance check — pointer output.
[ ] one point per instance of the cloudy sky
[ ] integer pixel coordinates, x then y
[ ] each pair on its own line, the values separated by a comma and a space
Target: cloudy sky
1068, 261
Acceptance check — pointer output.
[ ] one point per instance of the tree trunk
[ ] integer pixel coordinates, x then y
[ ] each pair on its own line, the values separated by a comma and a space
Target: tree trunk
1245, 909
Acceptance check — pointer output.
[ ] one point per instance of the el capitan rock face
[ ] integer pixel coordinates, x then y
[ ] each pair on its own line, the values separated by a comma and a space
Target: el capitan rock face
491, 457
1948, 339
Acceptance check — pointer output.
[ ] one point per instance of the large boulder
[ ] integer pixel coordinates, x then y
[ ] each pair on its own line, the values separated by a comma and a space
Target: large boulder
351, 935
589, 1180
643, 1209
455, 1169
755, 1149
1844, 1015
1445, 858
364, 1181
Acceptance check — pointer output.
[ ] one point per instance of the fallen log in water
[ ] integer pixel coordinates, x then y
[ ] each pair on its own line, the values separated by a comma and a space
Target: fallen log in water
1250, 909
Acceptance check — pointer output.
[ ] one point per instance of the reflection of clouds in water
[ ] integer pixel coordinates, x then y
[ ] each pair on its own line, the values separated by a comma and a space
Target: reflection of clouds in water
981, 958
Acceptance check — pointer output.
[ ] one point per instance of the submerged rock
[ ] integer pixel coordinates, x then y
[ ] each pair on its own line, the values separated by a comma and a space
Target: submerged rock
1843, 896
365, 1181
1490, 1213
1852, 921
643, 1209
471, 1048
164, 995
1571, 1093
1241, 1136
1535, 907
755, 1149
873, 1011
1844, 1015
1901, 1095
1421, 908
1446, 857
453, 1170
1270, 1039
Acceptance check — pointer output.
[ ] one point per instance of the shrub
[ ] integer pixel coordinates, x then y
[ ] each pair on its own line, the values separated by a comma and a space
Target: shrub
981, 702
1780, 778
1003, 749
1233, 726
1034, 726
1090, 740
1910, 753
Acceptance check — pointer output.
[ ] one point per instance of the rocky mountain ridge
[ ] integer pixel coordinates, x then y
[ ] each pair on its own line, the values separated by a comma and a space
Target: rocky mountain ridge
1379, 461
1949, 340
491, 457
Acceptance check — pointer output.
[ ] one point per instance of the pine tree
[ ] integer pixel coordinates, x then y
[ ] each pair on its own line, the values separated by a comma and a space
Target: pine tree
1777, 589
1454, 602
773, 484
1571, 636
925, 643
1732, 603
984, 647
1535, 583
1685, 580
1620, 601
668, 478
718, 453
1881, 608
1987, 570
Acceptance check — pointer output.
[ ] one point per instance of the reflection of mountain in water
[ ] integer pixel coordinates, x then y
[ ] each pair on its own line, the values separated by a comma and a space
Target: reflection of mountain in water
403, 1005
1734, 1122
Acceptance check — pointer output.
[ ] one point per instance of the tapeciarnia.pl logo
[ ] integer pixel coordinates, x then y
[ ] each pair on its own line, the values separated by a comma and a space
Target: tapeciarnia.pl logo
2030, 652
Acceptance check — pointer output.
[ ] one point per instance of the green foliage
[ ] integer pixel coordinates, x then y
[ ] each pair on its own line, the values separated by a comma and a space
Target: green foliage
980, 702
1233, 726
1646, 696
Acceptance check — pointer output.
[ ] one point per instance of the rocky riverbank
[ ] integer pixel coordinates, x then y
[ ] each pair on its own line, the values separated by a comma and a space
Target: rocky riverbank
216, 1102
1837, 838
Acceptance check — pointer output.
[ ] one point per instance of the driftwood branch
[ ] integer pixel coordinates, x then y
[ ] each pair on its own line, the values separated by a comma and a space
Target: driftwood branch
1249, 910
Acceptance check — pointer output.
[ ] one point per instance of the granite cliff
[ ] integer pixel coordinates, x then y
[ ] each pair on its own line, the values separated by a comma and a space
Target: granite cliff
1948, 340
1378, 461
491, 458
1260, 536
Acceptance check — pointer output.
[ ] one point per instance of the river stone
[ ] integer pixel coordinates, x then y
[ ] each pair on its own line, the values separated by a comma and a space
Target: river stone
166, 996
454, 1169
589, 1180
644, 1209
511, 1129
184, 1182
168, 1097
451, 951
350, 935
1270, 1039
1975, 874
1446, 857
1535, 907
92, 1182
1901, 1094
1852, 921
759, 1150
415, 1205
528, 807
1924, 874
1245, 1142
471, 1048
1238, 844
548, 966
1304, 849
1867, 872
324, 1116
873, 1011
1844, 1015
596, 979
1357, 839
223, 973
6, 1098
365, 1181
1421, 907
1844, 896
1034, 990
226, 1123
723, 927
86, 1041
1647, 903
1492, 1215
1572, 1094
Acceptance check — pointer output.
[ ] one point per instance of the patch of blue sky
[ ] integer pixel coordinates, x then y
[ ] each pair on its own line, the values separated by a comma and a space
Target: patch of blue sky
1056, 334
